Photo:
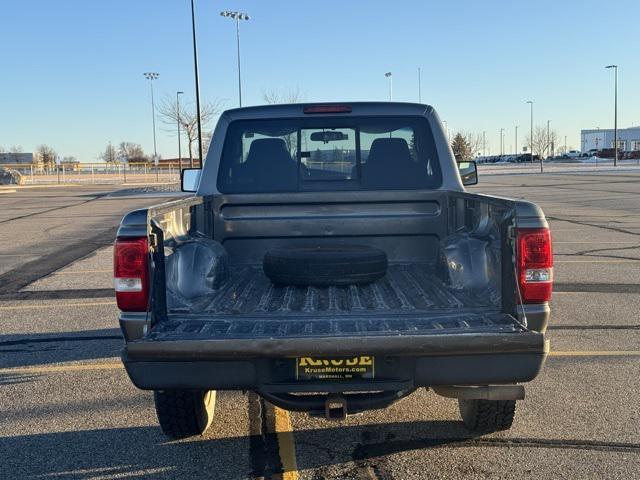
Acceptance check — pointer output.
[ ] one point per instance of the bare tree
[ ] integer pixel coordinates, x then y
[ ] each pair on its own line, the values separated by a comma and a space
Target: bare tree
273, 97
474, 142
187, 114
129, 152
110, 155
16, 149
46, 155
543, 143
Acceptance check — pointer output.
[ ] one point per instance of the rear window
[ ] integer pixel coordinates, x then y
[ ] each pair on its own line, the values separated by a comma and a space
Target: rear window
329, 154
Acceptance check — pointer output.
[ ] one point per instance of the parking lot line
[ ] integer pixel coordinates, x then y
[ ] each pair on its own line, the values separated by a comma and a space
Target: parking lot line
596, 261
286, 444
61, 368
60, 305
74, 272
595, 353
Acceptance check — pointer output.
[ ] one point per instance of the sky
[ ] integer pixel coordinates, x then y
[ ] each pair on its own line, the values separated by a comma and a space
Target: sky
71, 70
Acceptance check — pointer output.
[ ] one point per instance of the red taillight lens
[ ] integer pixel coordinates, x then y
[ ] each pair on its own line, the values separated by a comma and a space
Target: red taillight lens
535, 264
327, 108
131, 273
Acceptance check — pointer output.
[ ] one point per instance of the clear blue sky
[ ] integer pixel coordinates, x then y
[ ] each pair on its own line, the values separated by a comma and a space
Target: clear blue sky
71, 70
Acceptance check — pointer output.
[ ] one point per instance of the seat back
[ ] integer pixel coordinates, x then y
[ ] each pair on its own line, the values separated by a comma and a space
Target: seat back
390, 165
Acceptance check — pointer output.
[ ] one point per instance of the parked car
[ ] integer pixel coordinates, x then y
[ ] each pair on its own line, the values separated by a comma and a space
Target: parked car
328, 291
607, 153
590, 153
572, 154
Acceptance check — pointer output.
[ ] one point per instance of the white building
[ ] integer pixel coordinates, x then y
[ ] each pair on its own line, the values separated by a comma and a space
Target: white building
628, 139
16, 158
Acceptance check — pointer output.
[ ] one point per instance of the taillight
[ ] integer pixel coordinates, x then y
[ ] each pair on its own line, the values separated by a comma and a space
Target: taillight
131, 273
535, 264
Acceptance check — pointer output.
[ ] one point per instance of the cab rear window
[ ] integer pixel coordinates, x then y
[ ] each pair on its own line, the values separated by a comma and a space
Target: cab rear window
329, 154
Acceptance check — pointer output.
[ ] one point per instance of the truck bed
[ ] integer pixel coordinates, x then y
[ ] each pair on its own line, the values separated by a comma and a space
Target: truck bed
410, 299
405, 289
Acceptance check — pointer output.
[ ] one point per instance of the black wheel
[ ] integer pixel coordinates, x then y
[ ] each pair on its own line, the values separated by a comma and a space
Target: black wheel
325, 265
487, 415
184, 413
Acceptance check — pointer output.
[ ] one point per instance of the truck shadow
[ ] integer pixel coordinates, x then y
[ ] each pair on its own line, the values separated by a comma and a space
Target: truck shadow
144, 452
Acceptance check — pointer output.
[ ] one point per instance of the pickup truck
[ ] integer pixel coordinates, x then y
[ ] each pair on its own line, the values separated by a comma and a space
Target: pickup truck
461, 306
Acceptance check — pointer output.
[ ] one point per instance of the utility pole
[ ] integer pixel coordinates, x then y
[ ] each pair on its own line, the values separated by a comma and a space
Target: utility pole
195, 66
530, 102
548, 138
484, 143
178, 117
237, 16
389, 75
501, 142
615, 116
151, 76
516, 152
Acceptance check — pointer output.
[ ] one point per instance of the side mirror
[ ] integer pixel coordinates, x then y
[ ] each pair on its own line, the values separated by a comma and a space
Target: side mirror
468, 173
189, 179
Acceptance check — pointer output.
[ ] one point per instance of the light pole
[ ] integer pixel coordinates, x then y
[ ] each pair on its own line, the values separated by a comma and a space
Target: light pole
565, 144
501, 143
484, 143
389, 75
237, 16
178, 118
419, 87
615, 116
548, 137
151, 76
195, 66
516, 152
530, 102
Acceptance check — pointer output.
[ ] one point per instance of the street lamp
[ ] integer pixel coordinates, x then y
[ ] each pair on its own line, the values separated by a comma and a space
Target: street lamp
178, 119
501, 142
548, 137
151, 76
237, 16
530, 102
484, 143
195, 67
389, 75
615, 116
516, 152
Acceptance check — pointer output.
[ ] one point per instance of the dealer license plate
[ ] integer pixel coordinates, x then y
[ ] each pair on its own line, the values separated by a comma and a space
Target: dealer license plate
335, 368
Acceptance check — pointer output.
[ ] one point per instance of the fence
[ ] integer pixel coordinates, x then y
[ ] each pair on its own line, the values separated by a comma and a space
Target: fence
98, 173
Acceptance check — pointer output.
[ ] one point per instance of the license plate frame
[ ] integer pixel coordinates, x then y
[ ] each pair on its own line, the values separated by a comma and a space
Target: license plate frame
360, 367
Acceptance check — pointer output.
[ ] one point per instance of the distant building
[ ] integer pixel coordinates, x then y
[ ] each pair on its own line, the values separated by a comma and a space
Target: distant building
17, 159
174, 162
628, 139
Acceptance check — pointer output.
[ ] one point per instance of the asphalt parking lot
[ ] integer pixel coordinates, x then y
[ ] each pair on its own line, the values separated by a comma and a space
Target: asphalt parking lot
68, 410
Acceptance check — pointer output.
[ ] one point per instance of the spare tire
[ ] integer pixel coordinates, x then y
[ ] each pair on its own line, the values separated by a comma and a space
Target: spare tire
325, 265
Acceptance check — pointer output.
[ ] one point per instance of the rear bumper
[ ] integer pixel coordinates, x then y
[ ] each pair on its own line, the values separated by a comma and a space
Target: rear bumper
402, 362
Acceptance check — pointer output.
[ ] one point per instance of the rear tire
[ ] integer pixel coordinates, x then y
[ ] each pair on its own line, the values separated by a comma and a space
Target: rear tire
184, 413
487, 415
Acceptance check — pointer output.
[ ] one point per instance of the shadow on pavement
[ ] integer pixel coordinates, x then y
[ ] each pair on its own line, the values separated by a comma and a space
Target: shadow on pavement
140, 452
23, 350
